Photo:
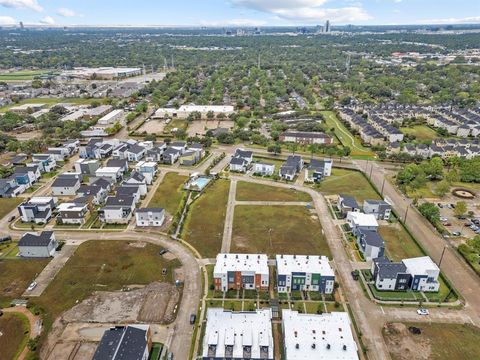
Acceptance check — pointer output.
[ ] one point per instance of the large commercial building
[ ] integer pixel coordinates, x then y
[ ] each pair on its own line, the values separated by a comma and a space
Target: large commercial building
304, 272
103, 73
238, 335
241, 271
183, 111
326, 336
306, 137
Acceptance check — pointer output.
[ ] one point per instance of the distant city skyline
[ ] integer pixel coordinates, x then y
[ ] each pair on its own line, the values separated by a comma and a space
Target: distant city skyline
238, 13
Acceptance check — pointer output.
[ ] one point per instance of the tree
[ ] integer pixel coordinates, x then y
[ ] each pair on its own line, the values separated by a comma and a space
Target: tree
460, 209
313, 148
293, 147
430, 211
274, 148
442, 188
433, 168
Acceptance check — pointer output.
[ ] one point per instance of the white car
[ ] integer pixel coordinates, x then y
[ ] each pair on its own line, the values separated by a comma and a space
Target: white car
422, 312
32, 286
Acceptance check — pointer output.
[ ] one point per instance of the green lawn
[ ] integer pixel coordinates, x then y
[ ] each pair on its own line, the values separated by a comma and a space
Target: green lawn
421, 132
437, 340
348, 182
398, 243
8, 204
103, 265
345, 136
169, 193
23, 75
14, 329
247, 191
17, 274
205, 221
277, 230
51, 102
176, 123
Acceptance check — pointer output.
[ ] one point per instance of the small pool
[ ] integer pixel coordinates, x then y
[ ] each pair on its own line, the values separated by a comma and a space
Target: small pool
199, 183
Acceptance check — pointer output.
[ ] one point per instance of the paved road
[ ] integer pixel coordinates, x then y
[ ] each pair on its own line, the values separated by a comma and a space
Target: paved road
228, 227
272, 203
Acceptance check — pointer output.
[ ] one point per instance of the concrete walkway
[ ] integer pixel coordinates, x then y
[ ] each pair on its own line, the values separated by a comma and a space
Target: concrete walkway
228, 227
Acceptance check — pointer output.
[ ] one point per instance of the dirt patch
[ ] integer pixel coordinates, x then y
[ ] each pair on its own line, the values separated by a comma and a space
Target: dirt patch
240, 242
200, 127
153, 303
138, 244
73, 350
152, 127
403, 345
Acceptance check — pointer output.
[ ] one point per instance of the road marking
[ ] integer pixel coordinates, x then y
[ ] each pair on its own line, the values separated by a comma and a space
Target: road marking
381, 308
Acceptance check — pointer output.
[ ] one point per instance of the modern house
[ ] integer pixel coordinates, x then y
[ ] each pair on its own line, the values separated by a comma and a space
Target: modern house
97, 193
317, 170
263, 169
347, 204
118, 163
136, 152
117, 210
379, 208
66, 185
115, 174
46, 162
360, 221
241, 160
325, 336
37, 209
417, 274
148, 169
190, 158
171, 155
238, 335
131, 342
72, 213
87, 166
370, 244
137, 179
27, 175
36, 245
150, 216
291, 167
241, 271
132, 190
9, 188
305, 273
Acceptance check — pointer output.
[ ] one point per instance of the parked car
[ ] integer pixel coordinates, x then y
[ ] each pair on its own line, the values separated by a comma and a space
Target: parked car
11, 218
447, 224
163, 251
5, 238
32, 286
443, 218
440, 205
456, 233
452, 206
170, 356
164, 271
422, 312
193, 317
355, 275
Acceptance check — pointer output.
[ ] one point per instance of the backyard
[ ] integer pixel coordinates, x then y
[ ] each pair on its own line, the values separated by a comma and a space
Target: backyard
277, 230
247, 191
436, 341
398, 243
169, 193
204, 224
106, 266
348, 182
14, 330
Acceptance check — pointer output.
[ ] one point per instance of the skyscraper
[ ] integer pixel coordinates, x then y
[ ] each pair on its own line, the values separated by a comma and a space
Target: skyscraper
327, 26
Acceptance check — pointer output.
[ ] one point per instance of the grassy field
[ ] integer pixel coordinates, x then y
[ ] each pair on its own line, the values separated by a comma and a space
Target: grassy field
17, 274
14, 329
348, 182
398, 243
277, 230
421, 132
169, 193
258, 192
443, 341
106, 266
22, 75
205, 221
345, 136
8, 204
176, 123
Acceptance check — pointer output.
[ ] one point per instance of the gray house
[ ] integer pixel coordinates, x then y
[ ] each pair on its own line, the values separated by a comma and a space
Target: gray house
150, 217
370, 243
291, 167
347, 204
65, 185
379, 208
41, 245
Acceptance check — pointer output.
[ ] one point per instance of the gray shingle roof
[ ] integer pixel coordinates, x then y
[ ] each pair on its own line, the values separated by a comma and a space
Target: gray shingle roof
30, 239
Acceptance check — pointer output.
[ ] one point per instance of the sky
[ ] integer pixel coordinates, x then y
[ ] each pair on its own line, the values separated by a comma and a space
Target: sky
238, 12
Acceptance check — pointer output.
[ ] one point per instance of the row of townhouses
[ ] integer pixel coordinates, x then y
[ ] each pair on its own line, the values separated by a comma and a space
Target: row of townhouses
444, 148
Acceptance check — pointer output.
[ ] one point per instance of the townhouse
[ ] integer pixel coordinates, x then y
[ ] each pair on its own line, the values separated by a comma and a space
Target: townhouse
150, 216
291, 167
381, 209
66, 184
137, 179
37, 209
34, 245
72, 213
263, 169
304, 137
304, 273
317, 170
148, 169
117, 210
241, 271
241, 160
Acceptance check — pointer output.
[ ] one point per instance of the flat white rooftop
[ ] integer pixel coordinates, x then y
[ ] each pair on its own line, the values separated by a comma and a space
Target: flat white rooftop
110, 116
362, 219
313, 264
109, 170
67, 206
327, 336
228, 334
41, 199
422, 265
255, 263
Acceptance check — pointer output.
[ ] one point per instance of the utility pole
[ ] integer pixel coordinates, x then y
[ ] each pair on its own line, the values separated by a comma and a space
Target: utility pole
258, 62
371, 170
383, 185
406, 213
441, 257
173, 63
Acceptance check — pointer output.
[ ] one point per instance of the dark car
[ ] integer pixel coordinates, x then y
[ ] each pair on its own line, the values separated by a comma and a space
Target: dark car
11, 218
193, 317
5, 238
163, 251
355, 275
440, 205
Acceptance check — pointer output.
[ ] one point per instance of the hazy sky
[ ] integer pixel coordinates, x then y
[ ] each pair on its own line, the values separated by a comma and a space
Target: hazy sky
237, 12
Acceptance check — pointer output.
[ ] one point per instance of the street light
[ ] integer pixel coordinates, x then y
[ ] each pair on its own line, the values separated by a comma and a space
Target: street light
441, 257
383, 184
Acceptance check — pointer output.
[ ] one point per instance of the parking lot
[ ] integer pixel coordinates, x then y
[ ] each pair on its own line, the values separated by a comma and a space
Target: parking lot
465, 226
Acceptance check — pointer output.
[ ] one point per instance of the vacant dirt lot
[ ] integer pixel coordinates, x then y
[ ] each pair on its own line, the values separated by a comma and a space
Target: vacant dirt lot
152, 127
200, 127
73, 351
154, 303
